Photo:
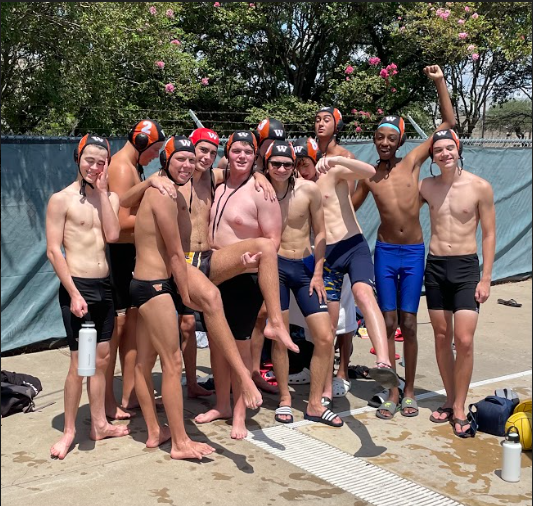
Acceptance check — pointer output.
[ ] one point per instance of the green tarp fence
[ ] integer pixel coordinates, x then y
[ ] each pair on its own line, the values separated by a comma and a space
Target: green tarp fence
33, 168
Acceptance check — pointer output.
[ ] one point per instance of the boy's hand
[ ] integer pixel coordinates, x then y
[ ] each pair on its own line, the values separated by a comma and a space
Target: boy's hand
434, 72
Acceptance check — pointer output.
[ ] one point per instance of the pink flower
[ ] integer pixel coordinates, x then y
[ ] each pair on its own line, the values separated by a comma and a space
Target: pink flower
251, 5
392, 66
393, 90
374, 60
217, 4
463, 35
475, 15
152, 10
169, 88
205, 81
354, 111
358, 129
160, 64
461, 21
399, 17
349, 69
522, 37
467, 9
176, 42
475, 56
402, 28
170, 13
384, 73
471, 47
380, 111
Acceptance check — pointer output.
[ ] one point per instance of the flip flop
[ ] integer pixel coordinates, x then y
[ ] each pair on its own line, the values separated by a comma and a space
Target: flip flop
358, 372
326, 418
510, 302
440, 410
384, 375
283, 411
470, 432
389, 406
398, 336
408, 402
341, 387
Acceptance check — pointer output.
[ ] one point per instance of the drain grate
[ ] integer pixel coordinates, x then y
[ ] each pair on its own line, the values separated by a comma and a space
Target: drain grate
353, 475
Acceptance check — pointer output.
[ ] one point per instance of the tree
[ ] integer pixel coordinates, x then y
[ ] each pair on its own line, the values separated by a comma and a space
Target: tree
513, 116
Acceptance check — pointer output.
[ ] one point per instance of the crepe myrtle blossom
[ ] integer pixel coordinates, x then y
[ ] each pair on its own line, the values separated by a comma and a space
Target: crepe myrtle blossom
358, 129
475, 15
160, 64
176, 42
205, 81
475, 56
462, 35
170, 13
349, 70
374, 60
152, 10
169, 88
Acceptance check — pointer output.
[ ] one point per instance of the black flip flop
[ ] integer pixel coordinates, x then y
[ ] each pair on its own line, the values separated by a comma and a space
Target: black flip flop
440, 410
326, 418
510, 302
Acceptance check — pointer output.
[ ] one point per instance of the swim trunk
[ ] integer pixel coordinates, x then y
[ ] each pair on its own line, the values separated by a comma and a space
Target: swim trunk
451, 282
295, 276
101, 310
200, 259
242, 300
350, 256
143, 290
122, 265
399, 267
333, 284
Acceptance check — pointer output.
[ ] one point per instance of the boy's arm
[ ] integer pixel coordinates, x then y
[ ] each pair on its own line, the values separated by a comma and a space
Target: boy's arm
120, 181
56, 214
262, 183
487, 218
360, 194
319, 231
133, 197
109, 207
166, 217
421, 153
343, 167
269, 219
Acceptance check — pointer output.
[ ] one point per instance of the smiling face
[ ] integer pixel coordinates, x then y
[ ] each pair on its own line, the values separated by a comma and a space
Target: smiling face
241, 157
386, 140
92, 162
324, 125
445, 154
280, 168
181, 166
206, 153
306, 168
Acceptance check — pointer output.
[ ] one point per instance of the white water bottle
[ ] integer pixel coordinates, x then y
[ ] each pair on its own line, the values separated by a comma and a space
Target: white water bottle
87, 350
512, 455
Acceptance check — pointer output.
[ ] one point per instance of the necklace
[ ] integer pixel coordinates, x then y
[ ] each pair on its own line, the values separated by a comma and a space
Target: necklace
286, 191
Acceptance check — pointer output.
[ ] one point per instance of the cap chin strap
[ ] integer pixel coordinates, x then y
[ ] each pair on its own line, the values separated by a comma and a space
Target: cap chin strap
84, 183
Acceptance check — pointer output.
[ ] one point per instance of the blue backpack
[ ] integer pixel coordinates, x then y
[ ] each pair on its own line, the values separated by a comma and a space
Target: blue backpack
491, 413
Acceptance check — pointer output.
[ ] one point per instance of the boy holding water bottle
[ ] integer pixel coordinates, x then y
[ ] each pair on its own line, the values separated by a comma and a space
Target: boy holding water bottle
82, 218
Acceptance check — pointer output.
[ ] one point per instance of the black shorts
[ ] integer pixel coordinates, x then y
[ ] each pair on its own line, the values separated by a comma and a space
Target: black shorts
101, 310
201, 260
242, 300
141, 291
451, 282
122, 265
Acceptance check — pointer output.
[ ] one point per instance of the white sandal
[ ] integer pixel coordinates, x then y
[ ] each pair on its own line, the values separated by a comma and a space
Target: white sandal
301, 378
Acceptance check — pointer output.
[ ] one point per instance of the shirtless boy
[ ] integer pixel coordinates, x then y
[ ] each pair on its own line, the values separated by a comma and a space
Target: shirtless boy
400, 251
145, 140
302, 273
83, 218
458, 202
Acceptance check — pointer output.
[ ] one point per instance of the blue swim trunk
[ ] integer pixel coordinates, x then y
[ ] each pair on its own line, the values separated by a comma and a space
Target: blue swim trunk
296, 275
333, 284
399, 267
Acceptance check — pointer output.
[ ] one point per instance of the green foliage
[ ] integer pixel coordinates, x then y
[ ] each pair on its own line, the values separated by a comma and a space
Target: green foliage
512, 117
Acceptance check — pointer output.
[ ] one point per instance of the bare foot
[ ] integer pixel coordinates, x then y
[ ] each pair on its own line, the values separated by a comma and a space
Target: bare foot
212, 415
263, 384
251, 395
162, 437
131, 404
190, 450
195, 390
279, 333
109, 431
61, 448
238, 430
116, 412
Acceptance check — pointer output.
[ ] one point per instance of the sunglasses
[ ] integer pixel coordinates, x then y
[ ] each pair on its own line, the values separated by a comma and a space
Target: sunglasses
286, 165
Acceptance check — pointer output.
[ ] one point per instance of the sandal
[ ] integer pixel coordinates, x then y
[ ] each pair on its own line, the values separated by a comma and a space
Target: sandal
510, 302
358, 372
341, 387
327, 418
384, 375
283, 411
408, 402
326, 402
470, 432
388, 406
440, 410
300, 378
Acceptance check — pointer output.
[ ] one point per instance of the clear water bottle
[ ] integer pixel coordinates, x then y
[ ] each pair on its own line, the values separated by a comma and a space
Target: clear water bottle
87, 350
512, 455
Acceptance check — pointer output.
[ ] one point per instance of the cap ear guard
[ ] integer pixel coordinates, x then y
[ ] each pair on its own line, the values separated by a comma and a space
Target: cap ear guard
87, 140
